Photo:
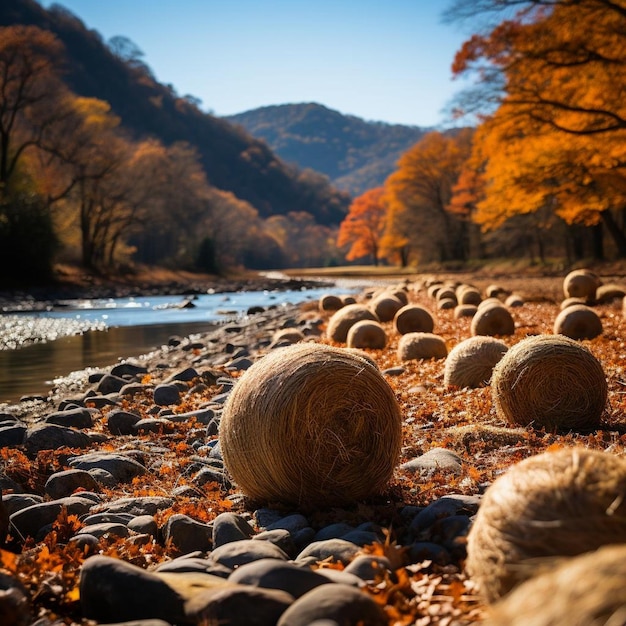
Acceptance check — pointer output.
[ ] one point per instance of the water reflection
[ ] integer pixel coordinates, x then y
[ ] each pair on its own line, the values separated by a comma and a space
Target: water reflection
30, 370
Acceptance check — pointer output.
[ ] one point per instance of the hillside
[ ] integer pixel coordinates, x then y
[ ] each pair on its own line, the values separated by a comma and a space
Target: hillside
356, 155
233, 160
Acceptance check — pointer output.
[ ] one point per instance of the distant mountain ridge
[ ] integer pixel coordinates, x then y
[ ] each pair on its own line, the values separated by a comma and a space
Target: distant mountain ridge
233, 160
355, 154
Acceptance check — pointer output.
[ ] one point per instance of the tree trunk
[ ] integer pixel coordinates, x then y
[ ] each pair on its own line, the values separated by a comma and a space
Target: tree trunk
616, 233
597, 241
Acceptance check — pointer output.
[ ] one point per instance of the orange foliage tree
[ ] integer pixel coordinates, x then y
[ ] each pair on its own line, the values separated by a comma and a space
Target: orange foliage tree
419, 194
557, 139
363, 227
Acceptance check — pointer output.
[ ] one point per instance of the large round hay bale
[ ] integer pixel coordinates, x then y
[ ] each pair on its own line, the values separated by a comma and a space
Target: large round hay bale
340, 322
551, 382
577, 591
311, 425
414, 346
434, 289
554, 504
578, 321
446, 303
330, 302
606, 294
514, 300
447, 293
400, 293
581, 283
385, 307
571, 302
413, 318
490, 302
495, 291
367, 334
471, 362
493, 320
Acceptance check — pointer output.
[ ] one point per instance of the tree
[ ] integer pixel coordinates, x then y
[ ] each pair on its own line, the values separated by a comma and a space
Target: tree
419, 194
558, 137
363, 227
30, 90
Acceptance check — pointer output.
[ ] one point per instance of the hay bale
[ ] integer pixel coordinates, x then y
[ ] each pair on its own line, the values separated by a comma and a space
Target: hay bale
434, 289
471, 362
421, 346
606, 294
514, 300
385, 307
565, 594
578, 321
446, 294
400, 293
330, 302
367, 334
311, 425
495, 291
492, 319
464, 310
581, 283
340, 322
490, 302
466, 294
551, 382
413, 318
561, 503
570, 302
446, 303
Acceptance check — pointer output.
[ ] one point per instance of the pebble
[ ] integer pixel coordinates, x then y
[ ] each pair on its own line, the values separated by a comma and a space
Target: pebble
64, 483
187, 534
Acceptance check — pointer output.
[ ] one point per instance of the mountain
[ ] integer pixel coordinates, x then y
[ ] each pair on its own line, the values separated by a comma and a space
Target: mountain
233, 160
356, 155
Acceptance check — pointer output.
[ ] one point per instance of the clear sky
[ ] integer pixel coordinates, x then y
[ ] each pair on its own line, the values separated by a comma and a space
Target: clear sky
381, 60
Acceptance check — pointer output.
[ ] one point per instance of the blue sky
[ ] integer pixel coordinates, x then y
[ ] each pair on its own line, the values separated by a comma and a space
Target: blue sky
382, 60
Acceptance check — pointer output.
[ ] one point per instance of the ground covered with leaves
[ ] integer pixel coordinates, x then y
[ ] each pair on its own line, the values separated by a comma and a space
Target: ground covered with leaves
435, 416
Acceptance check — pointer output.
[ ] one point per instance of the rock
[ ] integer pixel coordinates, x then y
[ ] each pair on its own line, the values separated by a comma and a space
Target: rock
73, 418
166, 394
128, 369
112, 590
15, 609
275, 574
428, 551
444, 507
122, 467
436, 459
370, 568
336, 549
144, 524
340, 603
51, 436
12, 435
293, 523
64, 483
4, 520
29, 521
121, 422
105, 529
153, 425
187, 534
16, 501
185, 375
229, 527
281, 538
239, 604
145, 505
110, 384
238, 553
333, 531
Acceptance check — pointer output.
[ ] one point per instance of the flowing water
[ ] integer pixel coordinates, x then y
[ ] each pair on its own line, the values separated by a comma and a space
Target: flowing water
135, 326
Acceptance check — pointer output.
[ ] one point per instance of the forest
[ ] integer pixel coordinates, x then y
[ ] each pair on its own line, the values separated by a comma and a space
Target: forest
541, 172
535, 169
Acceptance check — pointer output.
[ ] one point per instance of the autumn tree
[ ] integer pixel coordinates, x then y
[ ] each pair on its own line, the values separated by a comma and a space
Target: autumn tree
419, 194
557, 139
363, 227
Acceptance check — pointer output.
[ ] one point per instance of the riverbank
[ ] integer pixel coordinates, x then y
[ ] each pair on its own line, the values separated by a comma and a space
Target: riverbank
132, 453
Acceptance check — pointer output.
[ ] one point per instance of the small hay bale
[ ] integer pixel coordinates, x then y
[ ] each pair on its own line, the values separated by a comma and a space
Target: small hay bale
311, 425
414, 346
385, 307
565, 595
581, 283
464, 310
330, 302
446, 303
490, 302
340, 322
401, 294
413, 318
494, 291
551, 382
606, 294
554, 504
446, 294
493, 320
367, 334
578, 322
434, 289
466, 294
471, 362
570, 302
514, 300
